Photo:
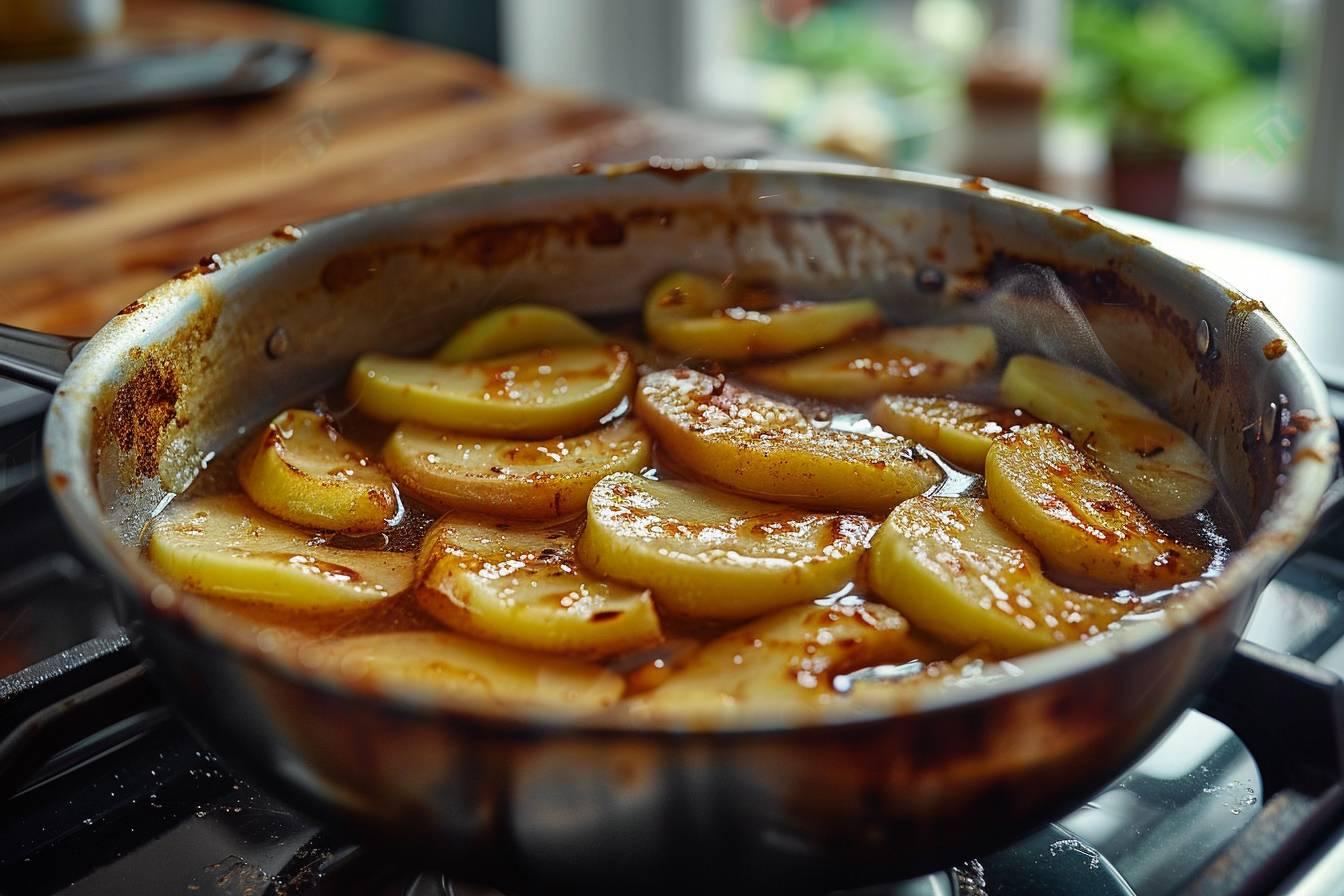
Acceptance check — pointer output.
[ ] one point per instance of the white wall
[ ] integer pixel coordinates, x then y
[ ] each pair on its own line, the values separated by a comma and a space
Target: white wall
618, 49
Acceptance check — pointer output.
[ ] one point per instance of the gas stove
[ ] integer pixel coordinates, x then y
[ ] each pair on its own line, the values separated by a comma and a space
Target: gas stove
105, 792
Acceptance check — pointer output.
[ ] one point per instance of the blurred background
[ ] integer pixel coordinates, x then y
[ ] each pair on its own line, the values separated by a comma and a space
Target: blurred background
1223, 114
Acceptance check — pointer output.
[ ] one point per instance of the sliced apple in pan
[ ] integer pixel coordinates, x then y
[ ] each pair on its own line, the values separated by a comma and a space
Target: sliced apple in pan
754, 445
957, 571
698, 317
519, 584
224, 546
959, 431
903, 360
514, 329
455, 670
1077, 517
711, 555
1161, 467
529, 395
506, 477
781, 665
301, 469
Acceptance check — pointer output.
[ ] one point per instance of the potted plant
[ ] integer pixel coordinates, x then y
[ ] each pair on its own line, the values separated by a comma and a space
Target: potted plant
1147, 69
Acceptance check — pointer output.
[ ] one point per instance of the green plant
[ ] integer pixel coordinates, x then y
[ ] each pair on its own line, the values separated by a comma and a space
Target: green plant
1147, 69
842, 38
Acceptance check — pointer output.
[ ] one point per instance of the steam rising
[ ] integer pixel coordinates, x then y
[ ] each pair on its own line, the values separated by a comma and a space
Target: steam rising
1032, 312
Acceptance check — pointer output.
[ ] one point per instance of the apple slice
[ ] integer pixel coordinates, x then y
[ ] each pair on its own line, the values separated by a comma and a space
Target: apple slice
530, 395
519, 584
514, 329
1161, 467
958, 572
958, 431
504, 477
711, 555
455, 671
1080, 520
905, 360
223, 546
754, 445
697, 317
782, 666
301, 469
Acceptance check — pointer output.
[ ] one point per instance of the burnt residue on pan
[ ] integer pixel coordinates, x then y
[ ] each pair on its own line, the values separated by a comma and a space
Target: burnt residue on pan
351, 269
207, 265
671, 169
493, 246
142, 409
1091, 226
139, 415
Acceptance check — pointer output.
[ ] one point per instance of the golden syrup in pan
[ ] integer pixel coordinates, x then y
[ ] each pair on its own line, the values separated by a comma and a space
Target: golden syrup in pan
646, 668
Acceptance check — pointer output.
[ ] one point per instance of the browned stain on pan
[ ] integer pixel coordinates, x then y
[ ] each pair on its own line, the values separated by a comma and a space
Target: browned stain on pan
604, 229
207, 265
138, 413
141, 410
1300, 421
495, 245
350, 269
131, 308
1242, 305
1092, 226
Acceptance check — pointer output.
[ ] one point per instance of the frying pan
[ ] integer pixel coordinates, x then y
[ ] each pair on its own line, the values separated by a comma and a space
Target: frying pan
528, 802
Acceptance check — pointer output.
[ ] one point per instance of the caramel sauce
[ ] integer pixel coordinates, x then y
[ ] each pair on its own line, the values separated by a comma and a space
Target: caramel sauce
647, 667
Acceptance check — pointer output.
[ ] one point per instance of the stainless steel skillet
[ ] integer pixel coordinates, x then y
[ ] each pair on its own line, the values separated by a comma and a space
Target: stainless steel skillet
532, 802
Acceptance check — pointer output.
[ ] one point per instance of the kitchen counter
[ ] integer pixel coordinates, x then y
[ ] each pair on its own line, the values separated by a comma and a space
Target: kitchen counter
94, 213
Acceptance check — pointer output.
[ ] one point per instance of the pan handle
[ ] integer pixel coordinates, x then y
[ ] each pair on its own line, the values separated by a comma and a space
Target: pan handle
36, 359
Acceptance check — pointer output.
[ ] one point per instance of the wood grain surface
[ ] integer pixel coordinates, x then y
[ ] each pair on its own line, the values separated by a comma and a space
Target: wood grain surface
94, 212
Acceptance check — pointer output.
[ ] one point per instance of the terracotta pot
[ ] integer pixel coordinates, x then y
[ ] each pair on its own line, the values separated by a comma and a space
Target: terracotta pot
1147, 181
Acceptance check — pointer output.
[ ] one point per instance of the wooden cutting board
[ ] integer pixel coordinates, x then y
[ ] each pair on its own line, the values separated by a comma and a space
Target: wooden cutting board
97, 211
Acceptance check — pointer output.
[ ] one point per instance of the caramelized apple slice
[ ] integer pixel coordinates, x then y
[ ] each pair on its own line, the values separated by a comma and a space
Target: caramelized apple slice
956, 571
529, 395
712, 555
453, 670
697, 317
223, 546
514, 329
519, 584
905, 360
751, 444
301, 469
503, 477
1079, 519
1161, 467
960, 431
781, 665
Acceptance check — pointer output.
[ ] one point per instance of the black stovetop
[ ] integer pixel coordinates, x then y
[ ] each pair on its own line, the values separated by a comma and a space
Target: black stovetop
105, 792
